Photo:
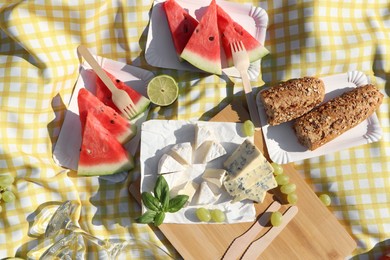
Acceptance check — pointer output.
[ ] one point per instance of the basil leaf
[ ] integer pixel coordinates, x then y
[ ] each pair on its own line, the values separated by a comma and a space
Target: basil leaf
150, 201
147, 217
165, 200
161, 188
159, 218
176, 203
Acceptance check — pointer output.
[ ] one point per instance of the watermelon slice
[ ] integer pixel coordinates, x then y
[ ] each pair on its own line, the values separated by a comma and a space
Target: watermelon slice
118, 126
101, 153
203, 48
104, 94
231, 31
180, 23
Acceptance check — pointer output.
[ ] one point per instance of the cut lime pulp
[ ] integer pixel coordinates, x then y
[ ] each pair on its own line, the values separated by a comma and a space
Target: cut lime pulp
162, 90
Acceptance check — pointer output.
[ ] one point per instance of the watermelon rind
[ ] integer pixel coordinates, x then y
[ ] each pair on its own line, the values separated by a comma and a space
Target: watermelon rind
117, 125
203, 48
181, 24
100, 152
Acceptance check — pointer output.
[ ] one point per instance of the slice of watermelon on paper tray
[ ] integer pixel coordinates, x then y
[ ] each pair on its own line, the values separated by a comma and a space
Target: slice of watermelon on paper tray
66, 150
253, 19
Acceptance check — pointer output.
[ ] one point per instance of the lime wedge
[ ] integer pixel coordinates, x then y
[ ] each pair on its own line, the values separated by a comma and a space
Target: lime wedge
163, 90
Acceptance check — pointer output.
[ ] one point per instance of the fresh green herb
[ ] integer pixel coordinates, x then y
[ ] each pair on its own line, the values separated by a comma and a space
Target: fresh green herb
160, 202
176, 203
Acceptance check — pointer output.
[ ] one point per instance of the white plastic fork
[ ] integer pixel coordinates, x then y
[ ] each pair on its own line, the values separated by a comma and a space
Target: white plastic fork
120, 97
241, 63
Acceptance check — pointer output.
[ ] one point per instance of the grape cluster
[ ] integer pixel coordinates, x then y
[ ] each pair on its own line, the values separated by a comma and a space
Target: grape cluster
6, 194
206, 215
283, 181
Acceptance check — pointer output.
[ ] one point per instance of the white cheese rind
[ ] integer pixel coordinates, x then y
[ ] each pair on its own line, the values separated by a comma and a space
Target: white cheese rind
188, 189
168, 164
206, 194
202, 134
209, 151
214, 176
182, 152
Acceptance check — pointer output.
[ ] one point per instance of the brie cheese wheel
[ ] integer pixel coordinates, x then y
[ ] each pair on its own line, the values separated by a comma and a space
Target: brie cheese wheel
168, 164
182, 152
202, 134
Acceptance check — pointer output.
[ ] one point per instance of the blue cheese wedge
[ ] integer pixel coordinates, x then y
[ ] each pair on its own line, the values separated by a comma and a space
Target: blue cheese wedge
168, 164
203, 134
245, 158
182, 152
247, 179
257, 191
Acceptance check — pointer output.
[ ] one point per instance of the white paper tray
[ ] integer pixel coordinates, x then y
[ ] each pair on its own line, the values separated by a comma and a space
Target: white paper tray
66, 151
160, 51
282, 143
157, 138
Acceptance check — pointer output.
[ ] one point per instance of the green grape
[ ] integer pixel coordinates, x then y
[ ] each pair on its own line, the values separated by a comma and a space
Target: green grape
278, 169
288, 188
248, 128
282, 179
276, 218
6, 180
325, 199
8, 196
217, 215
292, 198
203, 214
1, 208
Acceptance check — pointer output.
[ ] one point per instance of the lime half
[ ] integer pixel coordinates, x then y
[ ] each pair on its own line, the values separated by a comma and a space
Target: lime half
163, 90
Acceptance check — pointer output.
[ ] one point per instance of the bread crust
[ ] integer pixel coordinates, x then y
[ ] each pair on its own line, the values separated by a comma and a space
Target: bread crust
336, 116
291, 99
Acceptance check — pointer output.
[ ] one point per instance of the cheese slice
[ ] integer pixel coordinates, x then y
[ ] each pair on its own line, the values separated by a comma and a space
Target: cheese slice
206, 194
257, 191
168, 164
189, 188
214, 176
202, 134
245, 158
247, 179
182, 152
208, 151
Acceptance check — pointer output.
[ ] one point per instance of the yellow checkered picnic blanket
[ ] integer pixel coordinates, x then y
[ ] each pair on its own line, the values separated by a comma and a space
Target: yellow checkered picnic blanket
39, 67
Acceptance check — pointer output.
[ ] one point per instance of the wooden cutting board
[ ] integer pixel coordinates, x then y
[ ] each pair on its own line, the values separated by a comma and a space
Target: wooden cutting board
314, 233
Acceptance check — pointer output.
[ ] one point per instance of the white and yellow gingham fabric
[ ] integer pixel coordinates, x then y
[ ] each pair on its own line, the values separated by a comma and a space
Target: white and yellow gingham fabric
39, 67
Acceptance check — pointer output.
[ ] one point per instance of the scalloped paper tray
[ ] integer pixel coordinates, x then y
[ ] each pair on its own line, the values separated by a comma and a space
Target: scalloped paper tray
160, 51
282, 143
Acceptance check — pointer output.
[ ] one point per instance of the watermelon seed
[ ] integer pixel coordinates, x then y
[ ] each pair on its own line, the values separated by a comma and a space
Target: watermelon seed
117, 80
112, 121
211, 38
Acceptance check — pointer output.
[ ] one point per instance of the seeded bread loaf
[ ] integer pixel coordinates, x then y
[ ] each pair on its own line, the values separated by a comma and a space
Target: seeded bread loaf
338, 115
291, 99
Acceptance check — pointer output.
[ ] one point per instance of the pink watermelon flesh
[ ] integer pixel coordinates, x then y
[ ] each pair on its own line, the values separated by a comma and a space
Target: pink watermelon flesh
181, 24
203, 48
118, 126
104, 94
231, 31
101, 153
